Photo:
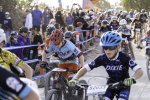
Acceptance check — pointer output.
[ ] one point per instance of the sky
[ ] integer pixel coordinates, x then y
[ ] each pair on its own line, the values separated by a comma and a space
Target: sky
69, 3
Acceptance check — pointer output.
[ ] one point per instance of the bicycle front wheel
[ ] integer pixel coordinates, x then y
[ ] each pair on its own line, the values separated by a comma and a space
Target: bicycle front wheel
148, 68
54, 94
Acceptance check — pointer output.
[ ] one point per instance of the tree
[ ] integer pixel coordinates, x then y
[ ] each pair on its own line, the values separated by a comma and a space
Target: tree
136, 4
103, 4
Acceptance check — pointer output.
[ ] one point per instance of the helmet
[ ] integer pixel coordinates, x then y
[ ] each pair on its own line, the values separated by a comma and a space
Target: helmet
114, 18
50, 28
13, 33
143, 10
105, 22
128, 16
137, 15
56, 36
2, 36
110, 39
23, 29
6, 13
123, 22
68, 34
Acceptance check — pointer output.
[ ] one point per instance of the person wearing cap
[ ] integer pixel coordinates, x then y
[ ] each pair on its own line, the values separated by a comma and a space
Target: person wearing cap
7, 24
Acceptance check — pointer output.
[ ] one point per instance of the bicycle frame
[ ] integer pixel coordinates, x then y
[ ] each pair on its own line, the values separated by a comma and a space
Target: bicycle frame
60, 83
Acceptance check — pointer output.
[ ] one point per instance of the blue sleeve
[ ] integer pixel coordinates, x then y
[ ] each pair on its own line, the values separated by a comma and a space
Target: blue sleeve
96, 63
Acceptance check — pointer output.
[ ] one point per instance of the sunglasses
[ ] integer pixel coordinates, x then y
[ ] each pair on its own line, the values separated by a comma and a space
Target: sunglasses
109, 47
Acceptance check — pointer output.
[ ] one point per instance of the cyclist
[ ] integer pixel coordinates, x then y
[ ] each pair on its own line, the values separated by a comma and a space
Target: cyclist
126, 34
114, 23
8, 59
105, 27
117, 65
12, 88
137, 22
67, 52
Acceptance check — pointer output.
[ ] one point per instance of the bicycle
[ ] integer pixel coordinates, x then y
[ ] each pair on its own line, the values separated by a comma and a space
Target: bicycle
57, 88
98, 91
148, 61
127, 48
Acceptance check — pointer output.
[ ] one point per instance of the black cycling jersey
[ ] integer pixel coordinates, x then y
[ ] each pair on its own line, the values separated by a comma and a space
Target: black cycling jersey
137, 23
11, 87
117, 68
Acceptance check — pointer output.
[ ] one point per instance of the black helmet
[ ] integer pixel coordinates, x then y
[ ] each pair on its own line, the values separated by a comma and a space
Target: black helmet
68, 34
23, 29
105, 22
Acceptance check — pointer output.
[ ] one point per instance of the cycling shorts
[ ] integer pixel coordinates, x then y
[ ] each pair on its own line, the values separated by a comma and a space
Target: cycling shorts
122, 93
127, 36
69, 66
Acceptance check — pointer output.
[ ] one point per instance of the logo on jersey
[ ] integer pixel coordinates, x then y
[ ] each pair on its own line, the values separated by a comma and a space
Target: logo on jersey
117, 67
132, 63
92, 63
14, 84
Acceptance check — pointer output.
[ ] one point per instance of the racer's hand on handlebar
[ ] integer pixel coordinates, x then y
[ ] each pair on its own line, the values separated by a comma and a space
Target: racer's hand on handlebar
129, 81
73, 82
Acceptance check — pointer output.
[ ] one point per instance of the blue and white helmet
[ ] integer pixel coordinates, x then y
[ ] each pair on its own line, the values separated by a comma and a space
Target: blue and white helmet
110, 38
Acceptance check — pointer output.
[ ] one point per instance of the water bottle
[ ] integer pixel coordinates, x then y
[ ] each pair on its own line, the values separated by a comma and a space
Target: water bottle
31, 54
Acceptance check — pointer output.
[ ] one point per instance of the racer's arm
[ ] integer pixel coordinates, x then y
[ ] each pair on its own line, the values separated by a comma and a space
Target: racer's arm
81, 61
27, 69
11, 83
138, 74
136, 68
12, 58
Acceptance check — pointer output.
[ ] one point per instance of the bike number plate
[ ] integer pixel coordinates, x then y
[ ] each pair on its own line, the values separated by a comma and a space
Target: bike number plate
96, 89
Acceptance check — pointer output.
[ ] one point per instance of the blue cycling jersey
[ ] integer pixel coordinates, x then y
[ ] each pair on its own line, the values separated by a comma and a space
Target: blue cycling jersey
117, 68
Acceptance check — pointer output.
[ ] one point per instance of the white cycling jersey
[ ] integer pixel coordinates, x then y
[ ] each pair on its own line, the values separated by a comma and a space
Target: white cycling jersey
67, 53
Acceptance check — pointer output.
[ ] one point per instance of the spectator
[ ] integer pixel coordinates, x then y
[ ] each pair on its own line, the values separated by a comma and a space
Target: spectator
28, 21
13, 42
69, 19
37, 18
2, 16
24, 39
7, 26
60, 18
46, 19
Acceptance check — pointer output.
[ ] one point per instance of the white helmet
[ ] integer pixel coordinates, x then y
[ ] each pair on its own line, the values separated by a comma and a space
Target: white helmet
114, 18
128, 16
2, 36
123, 22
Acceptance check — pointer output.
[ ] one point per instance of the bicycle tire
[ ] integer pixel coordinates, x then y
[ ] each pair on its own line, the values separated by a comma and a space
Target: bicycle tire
82, 95
53, 94
147, 68
47, 83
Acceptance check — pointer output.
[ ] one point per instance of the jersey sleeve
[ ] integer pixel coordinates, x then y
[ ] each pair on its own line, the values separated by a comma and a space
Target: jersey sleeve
95, 63
13, 84
132, 64
75, 49
9, 57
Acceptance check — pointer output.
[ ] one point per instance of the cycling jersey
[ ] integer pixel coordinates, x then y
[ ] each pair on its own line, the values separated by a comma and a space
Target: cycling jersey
114, 25
125, 31
68, 53
11, 88
143, 17
117, 68
7, 57
137, 23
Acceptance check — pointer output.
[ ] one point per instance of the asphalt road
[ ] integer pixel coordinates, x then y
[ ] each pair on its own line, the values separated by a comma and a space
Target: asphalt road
139, 91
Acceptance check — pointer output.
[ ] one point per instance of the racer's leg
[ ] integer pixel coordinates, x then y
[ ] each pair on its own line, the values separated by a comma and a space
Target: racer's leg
130, 46
109, 94
124, 94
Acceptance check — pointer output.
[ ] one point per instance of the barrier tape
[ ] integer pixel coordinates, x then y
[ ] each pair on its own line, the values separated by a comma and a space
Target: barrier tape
81, 42
20, 47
